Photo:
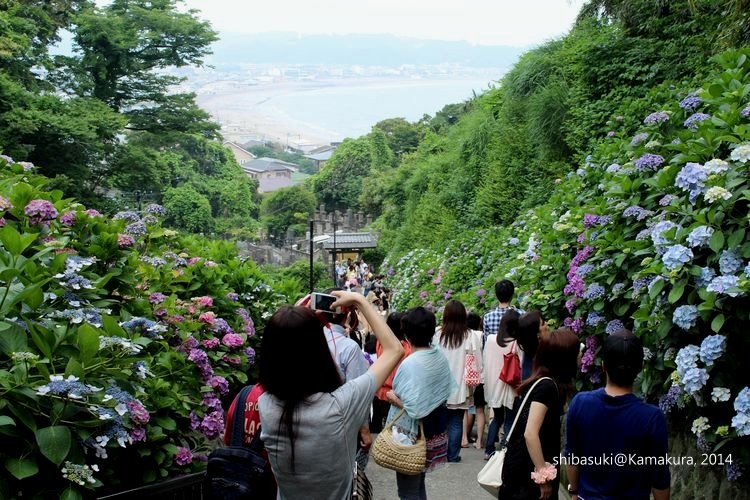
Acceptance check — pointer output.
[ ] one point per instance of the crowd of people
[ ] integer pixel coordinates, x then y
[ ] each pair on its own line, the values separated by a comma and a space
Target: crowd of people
323, 389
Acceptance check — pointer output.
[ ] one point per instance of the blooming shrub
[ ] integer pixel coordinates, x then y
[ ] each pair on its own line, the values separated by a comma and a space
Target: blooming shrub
104, 358
671, 262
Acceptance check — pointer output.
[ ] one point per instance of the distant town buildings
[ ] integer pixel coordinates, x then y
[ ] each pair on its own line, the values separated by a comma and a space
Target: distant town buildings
271, 174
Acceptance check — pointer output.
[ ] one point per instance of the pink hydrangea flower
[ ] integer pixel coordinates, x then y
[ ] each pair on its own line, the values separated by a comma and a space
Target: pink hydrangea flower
5, 204
138, 412
210, 263
232, 340
125, 241
156, 298
234, 359
2, 221
92, 213
211, 343
194, 260
204, 301
207, 317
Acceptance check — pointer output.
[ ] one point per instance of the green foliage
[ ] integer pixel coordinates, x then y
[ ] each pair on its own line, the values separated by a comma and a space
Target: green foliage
116, 335
338, 185
619, 239
188, 210
288, 208
278, 151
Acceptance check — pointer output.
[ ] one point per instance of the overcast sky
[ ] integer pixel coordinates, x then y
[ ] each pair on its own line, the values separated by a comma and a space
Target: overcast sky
503, 22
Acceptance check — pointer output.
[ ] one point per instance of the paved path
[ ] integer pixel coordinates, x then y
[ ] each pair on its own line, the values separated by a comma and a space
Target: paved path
453, 482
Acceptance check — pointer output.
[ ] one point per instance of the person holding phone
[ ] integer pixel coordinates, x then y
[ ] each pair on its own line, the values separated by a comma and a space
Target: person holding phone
310, 415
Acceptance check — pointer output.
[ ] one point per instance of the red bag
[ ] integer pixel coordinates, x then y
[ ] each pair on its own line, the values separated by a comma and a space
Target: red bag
511, 372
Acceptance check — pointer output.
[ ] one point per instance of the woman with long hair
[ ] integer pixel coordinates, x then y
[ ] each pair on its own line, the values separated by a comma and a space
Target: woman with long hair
531, 328
307, 412
499, 395
534, 443
456, 340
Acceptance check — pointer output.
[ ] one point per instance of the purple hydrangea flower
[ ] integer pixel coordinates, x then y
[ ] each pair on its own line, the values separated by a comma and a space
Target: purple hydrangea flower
656, 117
589, 355
157, 298
183, 456
138, 412
213, 424
127, 215
136, 229
219, 384
250, 353
649, 161
667, 200
638, 138
40, 212
670, 399
691, 102
745, 113
68, 218
156, 209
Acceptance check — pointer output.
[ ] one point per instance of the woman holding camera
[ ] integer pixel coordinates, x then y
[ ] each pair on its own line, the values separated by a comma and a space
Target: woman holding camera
309, 416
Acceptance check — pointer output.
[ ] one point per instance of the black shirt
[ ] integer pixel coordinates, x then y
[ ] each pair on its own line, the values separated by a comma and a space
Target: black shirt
518, 465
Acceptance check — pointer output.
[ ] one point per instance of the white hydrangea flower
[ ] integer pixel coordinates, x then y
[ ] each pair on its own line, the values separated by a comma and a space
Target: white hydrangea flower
720, 394
715, 193
716, 166
700, 425
741, 153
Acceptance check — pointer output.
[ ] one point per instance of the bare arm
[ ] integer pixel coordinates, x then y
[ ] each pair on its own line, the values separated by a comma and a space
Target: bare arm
392, 349
537, 411
573, 478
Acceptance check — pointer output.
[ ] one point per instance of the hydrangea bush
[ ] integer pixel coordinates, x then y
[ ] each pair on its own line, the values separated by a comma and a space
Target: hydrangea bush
120, 343
650, 233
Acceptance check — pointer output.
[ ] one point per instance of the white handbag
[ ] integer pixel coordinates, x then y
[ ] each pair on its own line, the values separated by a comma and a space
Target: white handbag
491, 476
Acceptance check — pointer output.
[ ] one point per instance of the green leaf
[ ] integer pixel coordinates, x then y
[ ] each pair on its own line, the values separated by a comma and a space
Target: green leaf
6, 420
736, 238
656, 288
74, 367
11, 240
717, 323
21, 468
677, 291
12, 339
54, 442
715, 90
166, 423
88, 343
717, 241
71, 494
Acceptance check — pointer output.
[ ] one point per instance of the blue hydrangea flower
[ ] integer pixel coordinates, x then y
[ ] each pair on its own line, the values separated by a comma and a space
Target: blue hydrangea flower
667, 200
747, 271
729, 262
741, 421
514, 241
156, 209
745, 113
136, 229
676, 256
613, 168
685, 316
707, 275
728, 285
640, 283
700, 236
657, 232
656, 117
127, 215
691, 102
692, 178
594, 292
693, 121
614, 326
686, 358
638, 138
594, 319
617, 288
649, 161
694, 380
712, 348
584, 270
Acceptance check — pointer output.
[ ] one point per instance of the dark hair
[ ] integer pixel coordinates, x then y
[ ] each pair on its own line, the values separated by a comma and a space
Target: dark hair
508, 329
504, 290
529, 325
474, 320
455, 329
394, 322
370, 343
294, 337
622, 354
557, 358
418, 326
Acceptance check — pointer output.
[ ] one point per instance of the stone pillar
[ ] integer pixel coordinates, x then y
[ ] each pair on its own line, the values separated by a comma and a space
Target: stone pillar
350, 220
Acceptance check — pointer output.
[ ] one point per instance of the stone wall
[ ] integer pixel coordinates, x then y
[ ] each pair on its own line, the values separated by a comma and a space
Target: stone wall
700, 482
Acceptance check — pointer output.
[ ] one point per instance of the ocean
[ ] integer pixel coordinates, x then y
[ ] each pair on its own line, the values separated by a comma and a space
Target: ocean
320, 112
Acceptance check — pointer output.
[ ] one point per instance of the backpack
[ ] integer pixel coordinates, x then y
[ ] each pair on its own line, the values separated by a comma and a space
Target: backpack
511, 372
239, 472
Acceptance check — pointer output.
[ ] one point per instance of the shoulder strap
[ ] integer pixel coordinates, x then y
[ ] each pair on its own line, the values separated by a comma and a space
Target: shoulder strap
520, 408
238, 417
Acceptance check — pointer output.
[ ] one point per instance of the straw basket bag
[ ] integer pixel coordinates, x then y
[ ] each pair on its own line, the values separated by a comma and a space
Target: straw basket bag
406, 459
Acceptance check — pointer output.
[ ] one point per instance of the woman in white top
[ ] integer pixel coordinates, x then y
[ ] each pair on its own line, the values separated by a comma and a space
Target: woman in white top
310, 418
499, 395
456, 340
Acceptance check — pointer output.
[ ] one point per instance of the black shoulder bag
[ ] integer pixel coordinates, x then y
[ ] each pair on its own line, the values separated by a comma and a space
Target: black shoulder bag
239, 472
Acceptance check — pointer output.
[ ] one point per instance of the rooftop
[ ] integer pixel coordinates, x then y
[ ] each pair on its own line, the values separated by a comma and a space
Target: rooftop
351, 241
266, 164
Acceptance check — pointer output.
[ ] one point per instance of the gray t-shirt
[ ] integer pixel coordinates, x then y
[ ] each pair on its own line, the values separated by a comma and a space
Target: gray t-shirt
326, 426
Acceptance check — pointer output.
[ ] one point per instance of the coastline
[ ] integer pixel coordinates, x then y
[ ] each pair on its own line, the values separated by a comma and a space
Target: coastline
262, 111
